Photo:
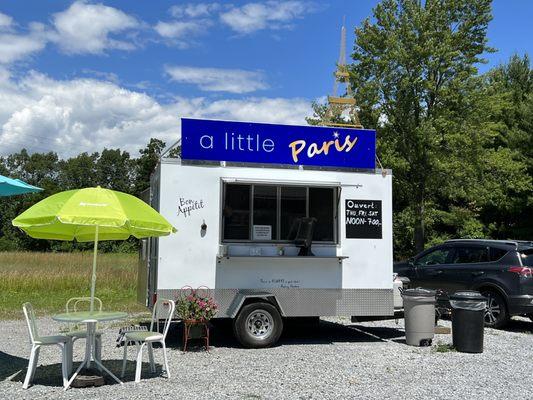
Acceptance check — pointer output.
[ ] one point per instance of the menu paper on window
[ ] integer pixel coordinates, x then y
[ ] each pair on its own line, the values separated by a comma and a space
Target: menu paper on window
363, 219
262, 232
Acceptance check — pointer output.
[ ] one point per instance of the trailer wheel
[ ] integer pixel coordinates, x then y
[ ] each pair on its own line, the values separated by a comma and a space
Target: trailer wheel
258, 325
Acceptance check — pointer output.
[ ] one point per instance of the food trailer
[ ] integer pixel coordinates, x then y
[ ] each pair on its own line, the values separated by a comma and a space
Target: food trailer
278, 221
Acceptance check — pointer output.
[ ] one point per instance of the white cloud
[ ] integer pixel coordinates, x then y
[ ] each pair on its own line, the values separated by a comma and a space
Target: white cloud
179, 30
73, 116
194, 10
194, 19
15, 46
254, 109
218, 79
88, 28
191, 20
5, 21
272, 14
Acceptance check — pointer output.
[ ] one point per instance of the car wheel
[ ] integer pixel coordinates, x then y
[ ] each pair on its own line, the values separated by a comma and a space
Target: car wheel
258, 325
496, 315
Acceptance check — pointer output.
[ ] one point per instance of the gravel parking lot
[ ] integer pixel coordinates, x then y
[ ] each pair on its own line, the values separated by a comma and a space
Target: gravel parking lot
336, 360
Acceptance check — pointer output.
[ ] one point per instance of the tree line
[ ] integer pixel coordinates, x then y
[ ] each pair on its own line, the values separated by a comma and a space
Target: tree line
112, 168
459, 142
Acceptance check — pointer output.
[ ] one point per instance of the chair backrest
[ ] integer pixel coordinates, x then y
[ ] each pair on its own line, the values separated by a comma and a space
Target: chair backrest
163, 309
29, 314
74, 302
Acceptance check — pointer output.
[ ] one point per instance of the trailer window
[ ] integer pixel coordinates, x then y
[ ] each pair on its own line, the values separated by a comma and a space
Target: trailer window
293, 206
265, 206
236, 212
321, 207
270, 212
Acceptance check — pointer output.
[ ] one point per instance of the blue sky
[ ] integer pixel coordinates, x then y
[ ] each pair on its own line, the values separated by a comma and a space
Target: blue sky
80, 76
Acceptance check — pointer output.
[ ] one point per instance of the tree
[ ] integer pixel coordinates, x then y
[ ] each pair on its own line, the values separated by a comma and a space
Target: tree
147, 162
79, 172
39, 169
412, 76
510, 91
115, 170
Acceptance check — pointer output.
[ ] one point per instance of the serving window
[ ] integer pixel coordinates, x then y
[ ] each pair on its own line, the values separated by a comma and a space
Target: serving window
270, 213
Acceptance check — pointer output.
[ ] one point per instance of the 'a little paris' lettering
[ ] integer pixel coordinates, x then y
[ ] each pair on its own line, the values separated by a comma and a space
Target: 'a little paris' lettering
256, 143
313, 149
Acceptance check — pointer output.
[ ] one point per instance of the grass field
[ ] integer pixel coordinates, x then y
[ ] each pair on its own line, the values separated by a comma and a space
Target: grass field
48, 280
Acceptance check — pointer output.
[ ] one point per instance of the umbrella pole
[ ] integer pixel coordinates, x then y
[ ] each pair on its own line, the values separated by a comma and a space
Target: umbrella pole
93, 282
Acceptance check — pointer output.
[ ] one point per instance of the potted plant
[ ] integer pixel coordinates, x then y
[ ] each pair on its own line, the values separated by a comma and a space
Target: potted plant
196, 307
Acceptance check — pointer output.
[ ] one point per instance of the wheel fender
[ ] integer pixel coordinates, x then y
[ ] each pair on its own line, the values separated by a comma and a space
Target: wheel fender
242, 299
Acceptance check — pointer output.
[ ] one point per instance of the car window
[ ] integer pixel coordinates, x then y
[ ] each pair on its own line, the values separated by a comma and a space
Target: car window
527, 258
470, 255
437, 256
495, 254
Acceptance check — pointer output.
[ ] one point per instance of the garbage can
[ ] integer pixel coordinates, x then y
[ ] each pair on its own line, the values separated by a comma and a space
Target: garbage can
419, 316
468, 321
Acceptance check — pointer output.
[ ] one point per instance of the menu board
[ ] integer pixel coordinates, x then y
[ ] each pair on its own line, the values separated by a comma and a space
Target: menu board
363, 219
262, 232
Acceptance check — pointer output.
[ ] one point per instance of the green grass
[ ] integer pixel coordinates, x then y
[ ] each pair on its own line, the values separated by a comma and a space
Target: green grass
443, 348
48, 280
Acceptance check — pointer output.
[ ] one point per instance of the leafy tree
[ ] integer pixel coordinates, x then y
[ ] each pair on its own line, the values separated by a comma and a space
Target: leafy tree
115, 170
79, 172
510, 96
412, 76
146, 163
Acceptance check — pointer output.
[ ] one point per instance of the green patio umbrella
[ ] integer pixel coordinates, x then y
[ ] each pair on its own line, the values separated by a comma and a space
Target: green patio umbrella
92, 214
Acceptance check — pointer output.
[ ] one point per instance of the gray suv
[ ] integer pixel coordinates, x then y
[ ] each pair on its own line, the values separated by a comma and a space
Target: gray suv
501, 270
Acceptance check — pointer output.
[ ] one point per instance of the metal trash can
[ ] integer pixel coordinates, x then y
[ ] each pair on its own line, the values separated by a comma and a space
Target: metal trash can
468, 321
419, 316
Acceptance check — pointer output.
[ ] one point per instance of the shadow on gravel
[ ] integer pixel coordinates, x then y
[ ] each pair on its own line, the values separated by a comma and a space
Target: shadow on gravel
296, 332
50, 375
11, 365
519, 326
384, 332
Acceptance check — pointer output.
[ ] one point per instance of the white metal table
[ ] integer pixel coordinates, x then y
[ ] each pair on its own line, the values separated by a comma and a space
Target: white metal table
91, 319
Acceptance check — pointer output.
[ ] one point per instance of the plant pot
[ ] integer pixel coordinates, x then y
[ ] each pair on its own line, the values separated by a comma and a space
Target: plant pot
196, 328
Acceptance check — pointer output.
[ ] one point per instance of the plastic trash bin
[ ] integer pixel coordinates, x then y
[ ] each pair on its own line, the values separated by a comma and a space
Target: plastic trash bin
468, 321
419, 316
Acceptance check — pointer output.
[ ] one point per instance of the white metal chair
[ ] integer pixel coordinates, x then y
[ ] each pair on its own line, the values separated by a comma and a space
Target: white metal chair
64, 342
75, 334
142, 338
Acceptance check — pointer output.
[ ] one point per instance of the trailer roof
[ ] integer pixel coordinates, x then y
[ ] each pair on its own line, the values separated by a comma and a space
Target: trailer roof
196, 163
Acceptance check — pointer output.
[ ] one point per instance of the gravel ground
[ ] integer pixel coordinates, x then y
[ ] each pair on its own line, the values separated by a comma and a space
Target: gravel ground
336, 360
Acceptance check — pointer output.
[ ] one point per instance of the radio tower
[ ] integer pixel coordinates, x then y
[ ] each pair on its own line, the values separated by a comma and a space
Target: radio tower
342, 106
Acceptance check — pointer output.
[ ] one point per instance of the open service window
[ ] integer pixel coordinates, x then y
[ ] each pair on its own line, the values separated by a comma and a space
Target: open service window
270, 212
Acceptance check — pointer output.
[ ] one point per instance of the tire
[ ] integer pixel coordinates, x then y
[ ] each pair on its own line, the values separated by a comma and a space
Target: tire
258, 325
496, 315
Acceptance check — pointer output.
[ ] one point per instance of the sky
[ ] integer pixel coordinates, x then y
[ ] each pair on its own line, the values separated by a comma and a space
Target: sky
80, 76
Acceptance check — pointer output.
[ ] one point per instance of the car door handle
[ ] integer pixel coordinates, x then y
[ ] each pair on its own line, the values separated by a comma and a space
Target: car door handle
434, 273
478, 273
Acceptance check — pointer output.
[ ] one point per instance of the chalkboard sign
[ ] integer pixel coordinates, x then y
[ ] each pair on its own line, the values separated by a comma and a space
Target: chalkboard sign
363, 219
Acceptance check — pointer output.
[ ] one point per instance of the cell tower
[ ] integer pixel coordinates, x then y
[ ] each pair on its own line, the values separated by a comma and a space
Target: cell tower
343, 107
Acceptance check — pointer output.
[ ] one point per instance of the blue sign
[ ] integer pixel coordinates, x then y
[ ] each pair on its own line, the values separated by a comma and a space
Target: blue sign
277, 144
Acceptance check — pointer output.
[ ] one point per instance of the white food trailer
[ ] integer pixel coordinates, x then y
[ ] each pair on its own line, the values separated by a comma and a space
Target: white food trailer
237, 221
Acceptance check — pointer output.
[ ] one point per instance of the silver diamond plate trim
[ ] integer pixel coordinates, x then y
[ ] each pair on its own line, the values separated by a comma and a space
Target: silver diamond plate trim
310, 302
